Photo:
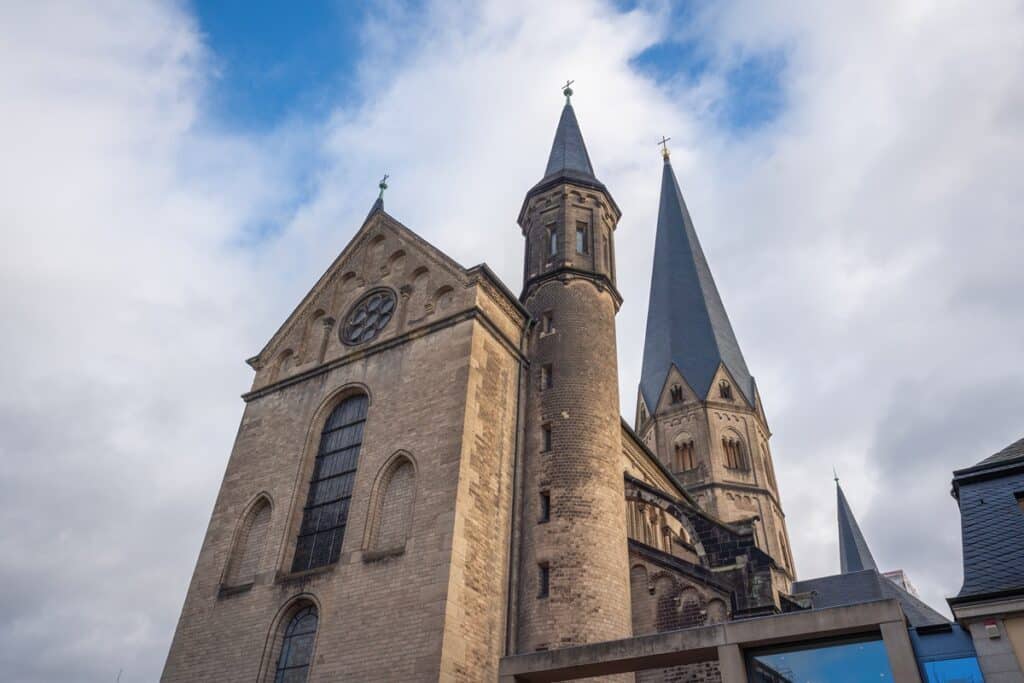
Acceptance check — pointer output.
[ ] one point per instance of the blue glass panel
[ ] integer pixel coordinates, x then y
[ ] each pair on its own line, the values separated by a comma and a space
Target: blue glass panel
854, 662
963, 670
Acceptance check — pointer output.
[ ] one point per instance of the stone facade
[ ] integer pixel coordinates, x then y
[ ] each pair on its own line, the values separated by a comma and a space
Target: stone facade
493, 502
442, 380
692, 436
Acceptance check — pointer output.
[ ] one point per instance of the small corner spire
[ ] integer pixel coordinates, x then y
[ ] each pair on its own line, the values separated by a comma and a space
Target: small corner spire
567, 91
383, 185
664, 148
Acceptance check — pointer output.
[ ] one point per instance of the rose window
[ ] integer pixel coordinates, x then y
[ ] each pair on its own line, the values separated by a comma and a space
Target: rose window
368, 317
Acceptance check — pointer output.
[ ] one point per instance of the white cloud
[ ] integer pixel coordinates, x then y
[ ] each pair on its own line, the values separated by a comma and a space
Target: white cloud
864, 242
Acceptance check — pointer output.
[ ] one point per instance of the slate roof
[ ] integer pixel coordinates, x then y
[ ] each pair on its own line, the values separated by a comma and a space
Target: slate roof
686, 321
854, 554
865, 586
1012, 452
569, 158
992, 524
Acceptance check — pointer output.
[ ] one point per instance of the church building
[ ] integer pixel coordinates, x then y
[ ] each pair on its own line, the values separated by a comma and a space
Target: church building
432, 479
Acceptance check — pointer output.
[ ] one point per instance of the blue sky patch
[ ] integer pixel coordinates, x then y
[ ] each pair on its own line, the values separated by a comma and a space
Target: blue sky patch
277, 60
755, 95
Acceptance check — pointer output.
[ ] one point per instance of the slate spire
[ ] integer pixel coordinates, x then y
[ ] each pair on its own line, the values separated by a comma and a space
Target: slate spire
854, 554
569, 158
687, 325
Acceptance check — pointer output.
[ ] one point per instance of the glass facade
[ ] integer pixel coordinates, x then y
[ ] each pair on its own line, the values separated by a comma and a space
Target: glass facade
843, 662
963, 670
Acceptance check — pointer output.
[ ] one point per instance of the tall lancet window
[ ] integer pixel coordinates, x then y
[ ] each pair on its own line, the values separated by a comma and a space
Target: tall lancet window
552, 242
330, 490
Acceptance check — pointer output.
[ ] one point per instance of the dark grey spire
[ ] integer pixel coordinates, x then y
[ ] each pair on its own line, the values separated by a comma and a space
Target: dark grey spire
854, 554
568, 152
686, 322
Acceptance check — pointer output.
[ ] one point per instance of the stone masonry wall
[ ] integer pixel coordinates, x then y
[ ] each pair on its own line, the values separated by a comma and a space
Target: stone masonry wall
584, 543
477, 595
380, 619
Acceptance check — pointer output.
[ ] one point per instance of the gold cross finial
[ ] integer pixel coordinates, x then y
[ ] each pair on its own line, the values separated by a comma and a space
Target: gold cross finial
383, 185
664, 147
567, 90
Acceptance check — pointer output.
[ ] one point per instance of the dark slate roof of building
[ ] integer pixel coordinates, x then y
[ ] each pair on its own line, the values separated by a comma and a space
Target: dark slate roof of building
686, 321
866, 586
854, 554
1012, 452
992, 525
569, 156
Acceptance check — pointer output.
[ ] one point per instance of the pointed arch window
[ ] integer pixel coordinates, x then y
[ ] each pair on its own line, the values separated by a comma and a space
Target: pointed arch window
393, 506
330, 489
297, 647
249, 545
676, 393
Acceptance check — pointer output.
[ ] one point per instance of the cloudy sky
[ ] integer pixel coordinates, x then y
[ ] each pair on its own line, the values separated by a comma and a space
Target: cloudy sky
176, 175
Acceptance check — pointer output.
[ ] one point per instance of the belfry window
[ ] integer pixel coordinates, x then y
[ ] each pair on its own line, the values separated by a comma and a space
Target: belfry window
330, 489
297, 647
676, 393
685, 458
582, 246
735, 458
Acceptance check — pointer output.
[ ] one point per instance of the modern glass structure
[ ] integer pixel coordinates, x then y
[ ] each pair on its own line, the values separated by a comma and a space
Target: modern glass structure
830, 662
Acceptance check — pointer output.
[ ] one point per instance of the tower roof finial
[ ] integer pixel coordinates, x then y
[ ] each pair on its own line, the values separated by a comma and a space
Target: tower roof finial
383, 185
664, 148
835, 476
567, 91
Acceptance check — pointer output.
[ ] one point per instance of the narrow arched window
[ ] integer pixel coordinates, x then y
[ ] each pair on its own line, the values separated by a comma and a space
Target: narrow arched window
330, 490
297, 647
685, 457
248, 550
552, 242
395, 498
725, 390
735, 458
